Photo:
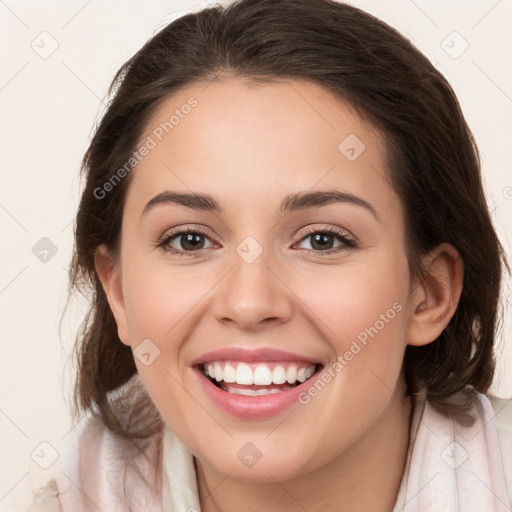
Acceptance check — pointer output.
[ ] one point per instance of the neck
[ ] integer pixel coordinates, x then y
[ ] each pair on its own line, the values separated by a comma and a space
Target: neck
365, 477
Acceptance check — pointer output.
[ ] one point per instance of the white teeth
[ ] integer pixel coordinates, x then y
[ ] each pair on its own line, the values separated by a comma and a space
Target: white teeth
262, 375
291, 374
218, 372
244, 374
301, 375
279, 375
229, 373
251, 392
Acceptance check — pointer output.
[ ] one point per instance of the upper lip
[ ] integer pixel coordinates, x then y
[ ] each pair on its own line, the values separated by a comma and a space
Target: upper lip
251, 355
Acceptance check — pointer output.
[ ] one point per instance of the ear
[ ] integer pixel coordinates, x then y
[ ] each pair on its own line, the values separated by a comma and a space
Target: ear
435, 296
110, 276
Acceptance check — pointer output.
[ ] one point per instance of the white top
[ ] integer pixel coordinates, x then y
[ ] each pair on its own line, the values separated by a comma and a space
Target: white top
449, 468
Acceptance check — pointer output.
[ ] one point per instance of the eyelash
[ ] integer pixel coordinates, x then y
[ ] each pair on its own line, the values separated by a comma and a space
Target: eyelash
346, 243
166, 239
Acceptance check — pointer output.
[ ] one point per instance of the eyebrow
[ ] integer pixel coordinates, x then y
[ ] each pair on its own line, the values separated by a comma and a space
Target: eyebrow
291, 203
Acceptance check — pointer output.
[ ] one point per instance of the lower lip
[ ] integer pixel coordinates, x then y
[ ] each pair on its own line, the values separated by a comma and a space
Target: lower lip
253, 407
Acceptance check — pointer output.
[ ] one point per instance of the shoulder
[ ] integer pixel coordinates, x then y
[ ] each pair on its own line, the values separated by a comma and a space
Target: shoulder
457, 454
104, 470
502, 410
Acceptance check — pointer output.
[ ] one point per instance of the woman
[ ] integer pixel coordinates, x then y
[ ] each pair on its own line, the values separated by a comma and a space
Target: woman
295, 277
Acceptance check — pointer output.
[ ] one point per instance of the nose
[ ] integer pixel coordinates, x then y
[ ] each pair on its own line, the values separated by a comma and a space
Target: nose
253, 296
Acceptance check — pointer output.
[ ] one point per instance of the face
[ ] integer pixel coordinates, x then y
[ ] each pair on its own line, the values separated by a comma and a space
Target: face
293, 268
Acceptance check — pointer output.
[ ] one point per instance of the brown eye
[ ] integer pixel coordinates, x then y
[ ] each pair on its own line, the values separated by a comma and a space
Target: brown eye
327, 241
189, 241
185, 241
321, 241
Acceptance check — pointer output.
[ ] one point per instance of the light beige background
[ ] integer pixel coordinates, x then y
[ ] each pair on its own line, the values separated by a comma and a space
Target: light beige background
48, 106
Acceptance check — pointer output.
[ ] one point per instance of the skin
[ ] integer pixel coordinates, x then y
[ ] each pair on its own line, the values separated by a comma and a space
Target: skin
248, 145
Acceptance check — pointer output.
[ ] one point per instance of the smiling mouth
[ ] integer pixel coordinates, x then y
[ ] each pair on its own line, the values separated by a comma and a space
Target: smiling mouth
254, 379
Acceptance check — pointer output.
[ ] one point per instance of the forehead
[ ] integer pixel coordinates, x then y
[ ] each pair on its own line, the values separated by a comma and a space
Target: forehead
245, 142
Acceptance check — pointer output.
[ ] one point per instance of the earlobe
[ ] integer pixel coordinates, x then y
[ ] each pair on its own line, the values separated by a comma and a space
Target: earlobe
435, 297
110, 276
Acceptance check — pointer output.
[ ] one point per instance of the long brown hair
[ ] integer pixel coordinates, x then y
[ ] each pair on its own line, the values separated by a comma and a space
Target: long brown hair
432, 158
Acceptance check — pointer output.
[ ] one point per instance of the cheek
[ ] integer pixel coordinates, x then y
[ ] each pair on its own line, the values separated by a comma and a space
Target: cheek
160, 299
161, 304
363, 311
360, 301
164, 304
